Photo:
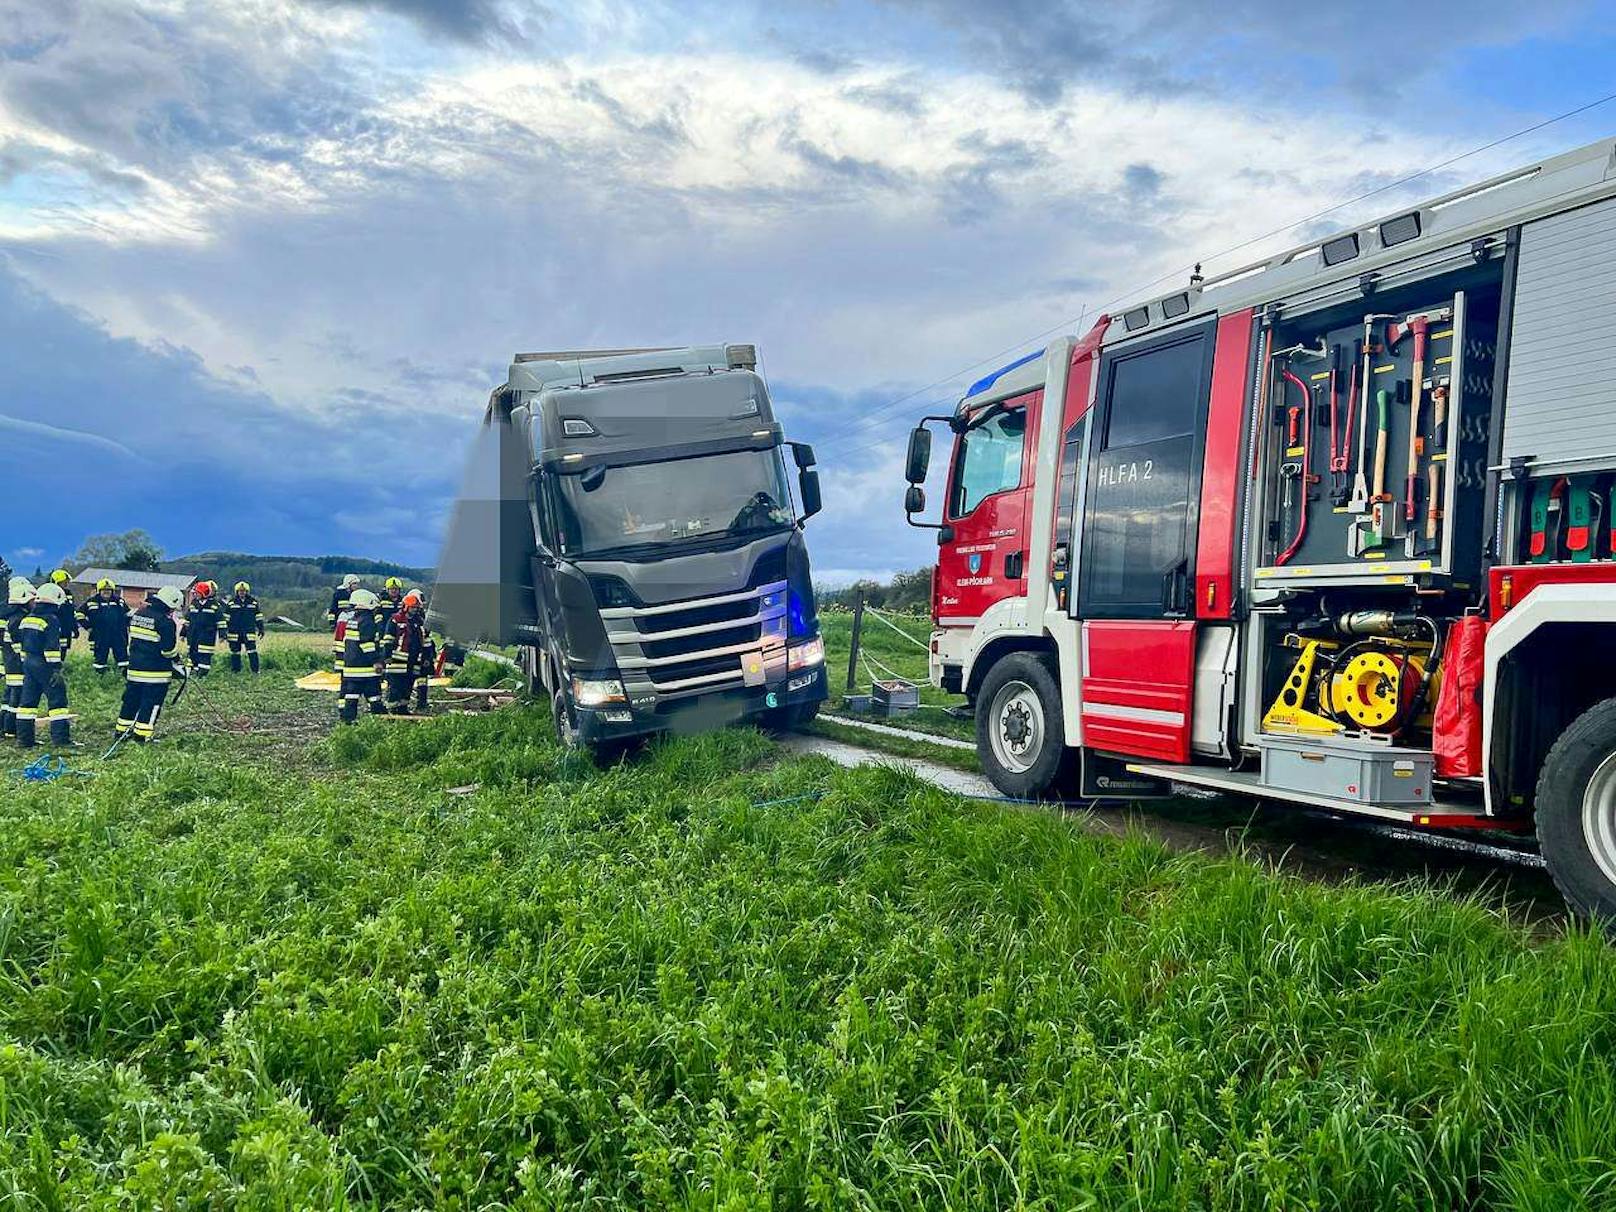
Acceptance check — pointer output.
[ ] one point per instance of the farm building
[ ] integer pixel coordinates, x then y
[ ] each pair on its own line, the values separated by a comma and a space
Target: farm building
134, 586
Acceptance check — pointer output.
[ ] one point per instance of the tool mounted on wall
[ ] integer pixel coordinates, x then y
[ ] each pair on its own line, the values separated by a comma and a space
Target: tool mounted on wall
1439, 453
1418, 323
1341, 437
1296, 469
1368, 347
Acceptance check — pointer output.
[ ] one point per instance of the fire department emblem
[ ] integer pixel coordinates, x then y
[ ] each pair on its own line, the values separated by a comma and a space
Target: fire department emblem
974, 562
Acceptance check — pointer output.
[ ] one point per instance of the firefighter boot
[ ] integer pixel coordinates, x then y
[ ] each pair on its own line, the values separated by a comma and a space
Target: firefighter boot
252, 659
26, 716
235, 660
61, 728
420, 693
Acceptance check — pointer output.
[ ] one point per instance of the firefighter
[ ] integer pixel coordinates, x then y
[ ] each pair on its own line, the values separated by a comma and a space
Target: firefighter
154, 659
361, 657
410, 654
340, 597
67, 617
243, 626
39, 632
390, 602
202, 624
19, 597
105, 617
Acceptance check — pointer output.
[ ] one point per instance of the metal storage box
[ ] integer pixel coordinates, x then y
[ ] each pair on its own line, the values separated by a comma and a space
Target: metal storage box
1347, 770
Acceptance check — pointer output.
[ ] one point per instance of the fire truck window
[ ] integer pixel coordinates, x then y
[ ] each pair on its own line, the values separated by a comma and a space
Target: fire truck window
989, 461
1137, 523
1155, 395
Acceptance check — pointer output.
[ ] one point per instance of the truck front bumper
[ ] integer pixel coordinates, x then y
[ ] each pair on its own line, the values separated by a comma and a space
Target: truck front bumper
702, 712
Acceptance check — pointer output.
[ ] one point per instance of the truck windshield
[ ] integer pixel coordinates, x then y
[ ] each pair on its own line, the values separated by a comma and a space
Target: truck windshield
650, 505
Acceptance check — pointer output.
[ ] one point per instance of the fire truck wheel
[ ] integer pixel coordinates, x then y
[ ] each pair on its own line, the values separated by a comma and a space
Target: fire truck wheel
1019, 736
1576, 812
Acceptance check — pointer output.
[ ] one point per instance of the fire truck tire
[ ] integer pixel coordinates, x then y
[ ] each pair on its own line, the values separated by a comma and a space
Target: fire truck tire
1020, 740
1576, 812
566, 730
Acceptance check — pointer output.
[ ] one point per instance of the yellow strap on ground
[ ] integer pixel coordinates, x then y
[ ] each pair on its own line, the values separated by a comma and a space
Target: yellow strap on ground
327, 680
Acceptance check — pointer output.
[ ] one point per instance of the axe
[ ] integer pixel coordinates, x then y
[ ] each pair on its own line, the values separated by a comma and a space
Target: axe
1417, 323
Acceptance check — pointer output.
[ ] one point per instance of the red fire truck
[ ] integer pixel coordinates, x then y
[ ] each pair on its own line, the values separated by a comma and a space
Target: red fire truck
1336, 529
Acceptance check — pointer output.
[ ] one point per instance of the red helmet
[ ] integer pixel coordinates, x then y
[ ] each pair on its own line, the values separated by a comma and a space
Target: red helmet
205, 589
412, 598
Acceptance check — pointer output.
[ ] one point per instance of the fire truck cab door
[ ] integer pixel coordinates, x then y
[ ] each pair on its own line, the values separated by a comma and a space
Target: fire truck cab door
988, 488
1137, 573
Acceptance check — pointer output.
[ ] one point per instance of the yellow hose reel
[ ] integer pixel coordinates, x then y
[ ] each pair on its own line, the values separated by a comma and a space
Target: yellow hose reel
1373, 688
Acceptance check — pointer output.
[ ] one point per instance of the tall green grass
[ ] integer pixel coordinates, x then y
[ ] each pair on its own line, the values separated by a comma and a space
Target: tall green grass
706, 978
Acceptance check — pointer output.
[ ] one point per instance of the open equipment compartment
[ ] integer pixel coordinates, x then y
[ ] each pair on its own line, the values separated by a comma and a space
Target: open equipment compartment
1372, 458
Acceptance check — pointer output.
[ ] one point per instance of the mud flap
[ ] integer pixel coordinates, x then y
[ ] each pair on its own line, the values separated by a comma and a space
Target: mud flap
1103, 777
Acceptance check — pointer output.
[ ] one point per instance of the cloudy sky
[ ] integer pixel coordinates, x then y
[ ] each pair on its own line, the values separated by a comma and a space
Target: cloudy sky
260, 262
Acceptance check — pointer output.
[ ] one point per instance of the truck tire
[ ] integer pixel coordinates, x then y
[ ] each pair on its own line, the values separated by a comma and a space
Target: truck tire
1576, 813
789, 719
1020, 739
566, 731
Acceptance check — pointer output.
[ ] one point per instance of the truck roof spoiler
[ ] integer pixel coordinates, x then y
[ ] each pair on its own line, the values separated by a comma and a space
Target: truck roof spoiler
583, 367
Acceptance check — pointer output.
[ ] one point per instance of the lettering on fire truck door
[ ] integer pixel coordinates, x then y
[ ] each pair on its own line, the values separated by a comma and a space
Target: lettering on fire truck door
989, 486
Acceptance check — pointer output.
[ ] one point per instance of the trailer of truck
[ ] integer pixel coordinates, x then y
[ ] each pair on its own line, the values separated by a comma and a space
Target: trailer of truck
627, 524
1334, 529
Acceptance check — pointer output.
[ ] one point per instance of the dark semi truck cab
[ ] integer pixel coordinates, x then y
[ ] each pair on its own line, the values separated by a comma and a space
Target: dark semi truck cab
628, 524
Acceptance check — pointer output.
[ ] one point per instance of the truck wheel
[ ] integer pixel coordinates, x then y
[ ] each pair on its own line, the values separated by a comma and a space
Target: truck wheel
788, 719
1020, 739
566, 731
1576, 812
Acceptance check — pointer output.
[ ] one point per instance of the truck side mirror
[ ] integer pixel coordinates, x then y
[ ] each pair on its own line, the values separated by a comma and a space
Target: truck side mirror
914, 499
919, 457
808, 488
803, 454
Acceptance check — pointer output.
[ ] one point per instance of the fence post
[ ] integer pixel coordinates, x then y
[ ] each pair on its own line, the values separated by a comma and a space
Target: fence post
853, 649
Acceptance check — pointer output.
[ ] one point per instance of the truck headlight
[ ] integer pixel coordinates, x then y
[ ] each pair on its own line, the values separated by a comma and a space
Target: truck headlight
597, 692
808, 652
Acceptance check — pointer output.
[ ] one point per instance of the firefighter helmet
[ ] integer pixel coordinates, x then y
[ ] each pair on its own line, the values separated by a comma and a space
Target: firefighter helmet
169, 596
204, 589
364, 599
60, 577
394, 583
243, 587
105, 583
20, 591
351, 581
412, 598
52, 594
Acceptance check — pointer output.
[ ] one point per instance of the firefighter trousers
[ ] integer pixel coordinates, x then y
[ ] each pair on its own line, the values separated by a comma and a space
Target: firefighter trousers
356, 686
44, 694
114, 647
237, 643
142, 704
10, 703
401, 684
202, 658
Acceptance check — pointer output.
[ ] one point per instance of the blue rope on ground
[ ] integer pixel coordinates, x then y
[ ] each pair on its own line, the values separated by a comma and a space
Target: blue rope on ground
48, 769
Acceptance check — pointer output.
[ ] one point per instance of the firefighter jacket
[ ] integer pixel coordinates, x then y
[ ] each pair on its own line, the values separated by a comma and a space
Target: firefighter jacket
339, 606
387, 605
67, 622
360, 650
11, 638
242, 617
106, 619
406, 644
204, 621
39, 634
154, 644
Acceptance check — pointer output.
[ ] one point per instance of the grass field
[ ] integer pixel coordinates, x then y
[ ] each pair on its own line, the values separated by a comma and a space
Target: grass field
277, 969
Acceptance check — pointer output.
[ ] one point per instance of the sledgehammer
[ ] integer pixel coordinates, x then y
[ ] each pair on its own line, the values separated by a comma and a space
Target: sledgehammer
1418, 324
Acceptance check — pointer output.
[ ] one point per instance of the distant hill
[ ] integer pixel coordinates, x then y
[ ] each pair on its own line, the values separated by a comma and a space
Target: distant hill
296, 586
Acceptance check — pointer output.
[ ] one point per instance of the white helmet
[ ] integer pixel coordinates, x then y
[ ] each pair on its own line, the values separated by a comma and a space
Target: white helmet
170, 597
21, 591
350, 581
364, 599
51, 594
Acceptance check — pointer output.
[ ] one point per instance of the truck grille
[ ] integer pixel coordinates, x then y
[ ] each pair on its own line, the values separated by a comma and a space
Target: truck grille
699, 644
